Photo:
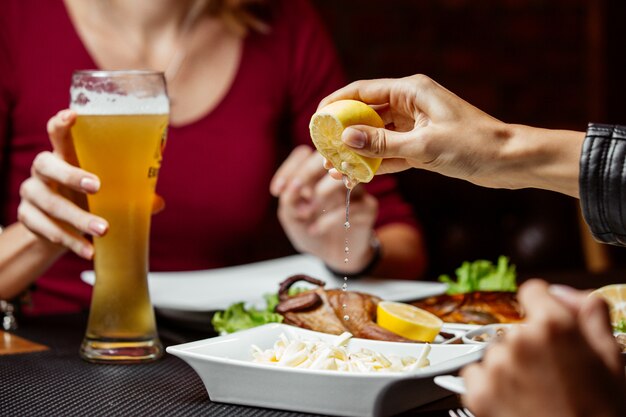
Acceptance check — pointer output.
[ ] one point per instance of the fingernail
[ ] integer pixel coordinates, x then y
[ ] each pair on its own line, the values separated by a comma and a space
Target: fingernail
97, 227
566, 294
86, 252
65, 115
90, 185
278, 185
353, 137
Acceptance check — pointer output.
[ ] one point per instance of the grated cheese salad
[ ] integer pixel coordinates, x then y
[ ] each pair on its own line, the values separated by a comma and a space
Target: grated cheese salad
317, 354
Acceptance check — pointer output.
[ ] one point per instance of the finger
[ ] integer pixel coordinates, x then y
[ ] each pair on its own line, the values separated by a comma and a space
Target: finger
288, 167
291, 205
477, 389
308, 173
380, 143
539, 304
50, 167
158, 204
39, 195
569, 296
596, 326
60, 135
336, 175
392, 165
362, 212
42, 225
367, 91
419, 90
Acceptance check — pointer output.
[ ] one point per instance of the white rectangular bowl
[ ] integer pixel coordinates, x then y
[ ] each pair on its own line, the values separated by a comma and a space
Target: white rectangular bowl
225, 366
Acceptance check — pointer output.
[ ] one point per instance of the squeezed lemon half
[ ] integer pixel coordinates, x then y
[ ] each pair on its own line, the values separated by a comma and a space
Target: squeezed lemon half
615, 297
326, 127
408, 321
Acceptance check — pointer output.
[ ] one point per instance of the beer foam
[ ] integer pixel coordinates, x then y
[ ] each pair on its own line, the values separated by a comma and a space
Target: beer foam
86, 102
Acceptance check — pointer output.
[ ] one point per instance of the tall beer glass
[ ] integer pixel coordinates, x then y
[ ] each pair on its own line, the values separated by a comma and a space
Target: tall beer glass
119, 135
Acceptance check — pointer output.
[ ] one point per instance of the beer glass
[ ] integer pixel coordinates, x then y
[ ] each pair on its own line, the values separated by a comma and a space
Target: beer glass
119, 135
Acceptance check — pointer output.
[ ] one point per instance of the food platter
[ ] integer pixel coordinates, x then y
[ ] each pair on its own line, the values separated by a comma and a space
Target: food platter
226, 368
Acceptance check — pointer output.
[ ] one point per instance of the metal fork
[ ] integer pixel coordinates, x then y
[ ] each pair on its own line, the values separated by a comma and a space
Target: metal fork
460, 413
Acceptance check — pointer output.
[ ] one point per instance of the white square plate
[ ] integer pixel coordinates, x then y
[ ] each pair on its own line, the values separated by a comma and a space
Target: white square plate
216, 289
225, 366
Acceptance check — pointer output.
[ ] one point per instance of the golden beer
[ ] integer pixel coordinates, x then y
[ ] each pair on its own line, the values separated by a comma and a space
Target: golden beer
124, 151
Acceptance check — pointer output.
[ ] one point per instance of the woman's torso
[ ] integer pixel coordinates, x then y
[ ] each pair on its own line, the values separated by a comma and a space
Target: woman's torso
216, 169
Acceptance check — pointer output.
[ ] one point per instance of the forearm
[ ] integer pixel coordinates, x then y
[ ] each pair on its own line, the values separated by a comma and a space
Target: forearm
403, 253
543, 158
23, 258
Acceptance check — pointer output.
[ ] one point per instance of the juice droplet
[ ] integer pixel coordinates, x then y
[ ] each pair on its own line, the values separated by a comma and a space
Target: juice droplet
344, 286
347, 249
345, 278
344, 306
346, 317
346, 225
345, 260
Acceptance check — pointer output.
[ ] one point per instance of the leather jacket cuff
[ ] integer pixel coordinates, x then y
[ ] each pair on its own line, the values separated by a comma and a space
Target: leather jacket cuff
602, 182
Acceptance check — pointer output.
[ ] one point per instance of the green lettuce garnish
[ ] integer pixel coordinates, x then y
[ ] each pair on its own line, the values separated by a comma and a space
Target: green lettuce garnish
239, 317
620, 326
482, 275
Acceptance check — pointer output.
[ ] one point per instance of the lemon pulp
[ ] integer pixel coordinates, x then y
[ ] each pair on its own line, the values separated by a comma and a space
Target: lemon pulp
408, 321
326, 127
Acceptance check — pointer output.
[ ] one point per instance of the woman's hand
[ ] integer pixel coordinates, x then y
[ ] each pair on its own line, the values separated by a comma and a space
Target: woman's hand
312, 210
53, 202
564, 362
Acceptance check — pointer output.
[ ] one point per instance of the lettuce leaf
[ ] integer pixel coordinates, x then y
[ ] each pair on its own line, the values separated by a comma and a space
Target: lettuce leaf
482, 275
621, 326
237, 317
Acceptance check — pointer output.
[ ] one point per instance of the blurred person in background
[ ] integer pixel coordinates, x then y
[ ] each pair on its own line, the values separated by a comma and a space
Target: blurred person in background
244, 78
564, 361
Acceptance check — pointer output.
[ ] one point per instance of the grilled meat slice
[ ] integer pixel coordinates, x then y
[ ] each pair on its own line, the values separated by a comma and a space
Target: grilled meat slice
480, 307
361, 310
323, 311
320, 318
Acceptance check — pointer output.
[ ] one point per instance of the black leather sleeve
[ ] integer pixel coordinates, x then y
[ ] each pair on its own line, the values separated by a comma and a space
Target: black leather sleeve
603, 182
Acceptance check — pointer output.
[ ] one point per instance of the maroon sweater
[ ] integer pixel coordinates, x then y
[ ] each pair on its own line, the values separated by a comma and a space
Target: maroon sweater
216, 170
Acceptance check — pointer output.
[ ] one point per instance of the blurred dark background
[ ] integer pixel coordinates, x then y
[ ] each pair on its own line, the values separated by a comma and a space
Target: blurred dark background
548, 63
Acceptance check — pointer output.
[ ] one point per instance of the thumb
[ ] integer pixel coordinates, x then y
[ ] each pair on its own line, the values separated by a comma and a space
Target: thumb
60, 135
374, 142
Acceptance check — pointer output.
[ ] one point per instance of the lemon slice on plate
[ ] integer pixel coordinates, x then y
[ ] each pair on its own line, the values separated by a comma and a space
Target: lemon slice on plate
326, 127
408, 321
615, 296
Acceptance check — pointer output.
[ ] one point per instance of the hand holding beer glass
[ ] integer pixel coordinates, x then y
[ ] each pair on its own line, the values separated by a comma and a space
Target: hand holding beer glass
119, 135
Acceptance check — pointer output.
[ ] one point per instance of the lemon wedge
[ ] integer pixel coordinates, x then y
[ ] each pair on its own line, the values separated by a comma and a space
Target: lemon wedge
326, 127
615, 297
408, 321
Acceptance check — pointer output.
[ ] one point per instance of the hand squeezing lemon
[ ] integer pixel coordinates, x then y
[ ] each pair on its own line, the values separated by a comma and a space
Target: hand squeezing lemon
326, 127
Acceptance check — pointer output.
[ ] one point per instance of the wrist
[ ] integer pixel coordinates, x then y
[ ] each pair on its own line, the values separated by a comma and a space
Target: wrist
542, 158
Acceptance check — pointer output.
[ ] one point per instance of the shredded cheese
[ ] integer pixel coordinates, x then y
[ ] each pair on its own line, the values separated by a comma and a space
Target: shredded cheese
316, 354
